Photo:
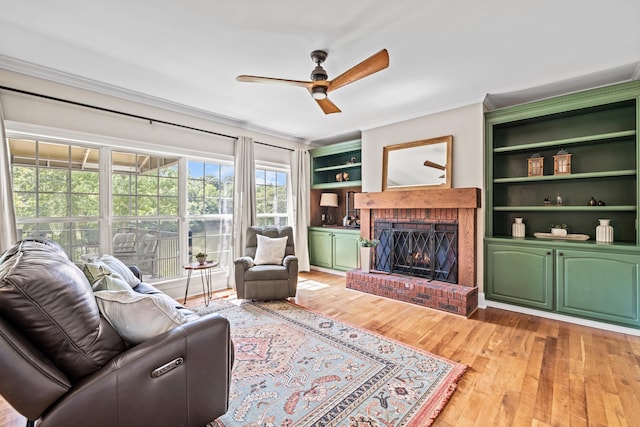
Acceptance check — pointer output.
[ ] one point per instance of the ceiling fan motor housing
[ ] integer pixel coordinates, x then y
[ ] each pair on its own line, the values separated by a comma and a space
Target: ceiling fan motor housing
318, 73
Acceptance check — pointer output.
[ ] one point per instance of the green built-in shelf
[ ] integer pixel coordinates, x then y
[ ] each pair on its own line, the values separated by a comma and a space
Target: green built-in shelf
603, 137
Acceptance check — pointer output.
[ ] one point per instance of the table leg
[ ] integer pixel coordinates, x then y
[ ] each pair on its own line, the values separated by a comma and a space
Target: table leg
206, 293
187, 290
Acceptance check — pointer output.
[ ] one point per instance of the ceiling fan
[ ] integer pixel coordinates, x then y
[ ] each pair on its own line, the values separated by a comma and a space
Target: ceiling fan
319, 85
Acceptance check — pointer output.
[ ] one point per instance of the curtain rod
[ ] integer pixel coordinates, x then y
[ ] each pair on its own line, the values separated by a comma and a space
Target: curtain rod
135, 116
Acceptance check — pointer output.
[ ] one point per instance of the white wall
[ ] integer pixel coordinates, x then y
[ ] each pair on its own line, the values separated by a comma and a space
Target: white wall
466, 124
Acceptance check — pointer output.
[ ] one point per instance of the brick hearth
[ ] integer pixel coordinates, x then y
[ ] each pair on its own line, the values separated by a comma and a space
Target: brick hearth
442, 296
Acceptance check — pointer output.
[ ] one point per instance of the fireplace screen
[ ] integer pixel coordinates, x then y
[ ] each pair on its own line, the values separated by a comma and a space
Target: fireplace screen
426, 250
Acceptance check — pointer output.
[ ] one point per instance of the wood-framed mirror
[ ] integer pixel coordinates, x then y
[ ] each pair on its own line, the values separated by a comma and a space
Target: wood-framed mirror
418, 164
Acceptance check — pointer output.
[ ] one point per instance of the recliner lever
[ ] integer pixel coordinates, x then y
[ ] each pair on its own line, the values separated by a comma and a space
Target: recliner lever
167, 367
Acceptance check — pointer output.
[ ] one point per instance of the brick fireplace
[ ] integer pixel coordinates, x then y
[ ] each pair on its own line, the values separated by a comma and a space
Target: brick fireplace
427, 254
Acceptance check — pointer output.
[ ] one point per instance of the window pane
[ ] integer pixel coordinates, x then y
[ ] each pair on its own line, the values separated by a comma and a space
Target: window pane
122, 205
121, 184
85, 182
147, 185
195, 169
24, 178
53, 180
169, 187
147, 206
168, 206
271, 197
25, 205
53, 205
85, 205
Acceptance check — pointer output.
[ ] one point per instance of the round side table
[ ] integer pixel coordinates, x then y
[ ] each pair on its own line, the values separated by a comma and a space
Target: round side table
205, 276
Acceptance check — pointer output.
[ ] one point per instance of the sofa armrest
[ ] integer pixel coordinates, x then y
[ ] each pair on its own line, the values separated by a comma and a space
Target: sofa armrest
288, 260
245, 261
195, 392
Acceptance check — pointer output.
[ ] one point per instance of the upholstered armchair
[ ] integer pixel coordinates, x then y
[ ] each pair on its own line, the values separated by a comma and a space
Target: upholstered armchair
263, 272
63, 364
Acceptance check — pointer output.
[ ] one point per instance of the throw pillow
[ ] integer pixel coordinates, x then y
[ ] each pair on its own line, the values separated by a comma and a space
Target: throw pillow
111, 282
121, 269
95, 270
270, 250
138, 317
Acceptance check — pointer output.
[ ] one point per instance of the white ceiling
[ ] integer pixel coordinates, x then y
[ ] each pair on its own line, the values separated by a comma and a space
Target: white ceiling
443, 53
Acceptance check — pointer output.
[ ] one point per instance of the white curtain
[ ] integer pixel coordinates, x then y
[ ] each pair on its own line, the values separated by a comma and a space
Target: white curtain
300, 181
244, 194
8, 234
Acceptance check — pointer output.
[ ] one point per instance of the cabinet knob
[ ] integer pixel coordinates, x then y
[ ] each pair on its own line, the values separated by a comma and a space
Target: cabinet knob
561, 253
548, 252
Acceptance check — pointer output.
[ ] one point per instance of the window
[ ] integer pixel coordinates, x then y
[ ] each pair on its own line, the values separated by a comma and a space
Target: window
145, 213
56, 193
100, 200
210, 210
271, 197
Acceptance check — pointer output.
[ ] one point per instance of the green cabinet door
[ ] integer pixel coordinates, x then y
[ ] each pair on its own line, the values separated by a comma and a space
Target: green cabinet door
345, 250
520, 275
320, 248
597, 285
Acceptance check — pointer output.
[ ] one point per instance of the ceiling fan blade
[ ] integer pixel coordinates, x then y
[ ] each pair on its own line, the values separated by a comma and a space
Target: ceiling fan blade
327, 106
373, 64
258, 79
431, 164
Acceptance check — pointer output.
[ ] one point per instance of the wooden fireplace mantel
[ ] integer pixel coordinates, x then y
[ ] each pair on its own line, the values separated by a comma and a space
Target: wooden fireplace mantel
465, 200
458, 198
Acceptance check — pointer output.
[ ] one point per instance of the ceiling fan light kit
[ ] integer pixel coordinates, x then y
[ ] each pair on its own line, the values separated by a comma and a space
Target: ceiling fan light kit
319, 92
320, 85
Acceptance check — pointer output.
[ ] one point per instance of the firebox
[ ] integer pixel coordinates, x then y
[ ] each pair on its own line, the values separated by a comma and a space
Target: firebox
425, 249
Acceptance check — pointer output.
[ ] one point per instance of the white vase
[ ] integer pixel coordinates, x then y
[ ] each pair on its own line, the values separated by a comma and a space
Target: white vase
518, 228
365, 259
604, 232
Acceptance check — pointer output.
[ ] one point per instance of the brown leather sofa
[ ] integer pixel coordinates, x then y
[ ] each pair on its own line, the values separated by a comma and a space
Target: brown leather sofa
267, 281
62, 364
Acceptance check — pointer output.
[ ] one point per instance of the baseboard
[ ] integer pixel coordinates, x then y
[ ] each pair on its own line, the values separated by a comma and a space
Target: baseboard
484, 303
328, 270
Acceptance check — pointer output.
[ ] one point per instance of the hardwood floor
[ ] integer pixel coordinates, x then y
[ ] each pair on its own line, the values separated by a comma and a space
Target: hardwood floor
522, 370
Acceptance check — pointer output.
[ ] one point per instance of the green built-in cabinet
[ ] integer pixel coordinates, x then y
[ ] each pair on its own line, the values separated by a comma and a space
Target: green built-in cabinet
575, 277
334, 248
337, 165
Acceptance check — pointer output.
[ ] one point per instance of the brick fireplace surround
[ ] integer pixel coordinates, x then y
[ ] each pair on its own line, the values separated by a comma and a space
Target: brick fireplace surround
439, 205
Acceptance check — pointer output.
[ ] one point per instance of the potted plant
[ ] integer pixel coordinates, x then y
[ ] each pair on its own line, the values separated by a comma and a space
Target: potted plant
559, 229
201, 257
365, 252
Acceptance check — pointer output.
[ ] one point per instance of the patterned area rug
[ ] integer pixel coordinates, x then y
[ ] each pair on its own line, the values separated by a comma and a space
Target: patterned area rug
296, 368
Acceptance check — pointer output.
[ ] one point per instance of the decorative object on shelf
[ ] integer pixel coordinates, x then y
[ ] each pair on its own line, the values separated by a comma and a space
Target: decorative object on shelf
535, 165
592, 202
562, 163
518, 228
567, 237
547, 201
365, 252
604, 231
559, 229
339, 177
351, 161
601, 203
328, 201
345, 176
201, 257
559, 200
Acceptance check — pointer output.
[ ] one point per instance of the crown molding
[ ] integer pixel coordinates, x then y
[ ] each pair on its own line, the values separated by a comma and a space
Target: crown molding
34, 70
